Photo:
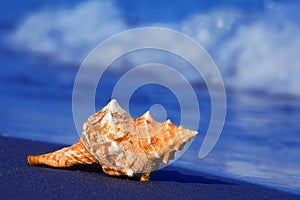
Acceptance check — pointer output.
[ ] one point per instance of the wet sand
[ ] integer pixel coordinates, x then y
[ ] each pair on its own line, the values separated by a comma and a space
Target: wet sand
21, 181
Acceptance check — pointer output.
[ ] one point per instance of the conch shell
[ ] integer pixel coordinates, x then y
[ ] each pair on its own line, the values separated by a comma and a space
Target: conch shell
120, 144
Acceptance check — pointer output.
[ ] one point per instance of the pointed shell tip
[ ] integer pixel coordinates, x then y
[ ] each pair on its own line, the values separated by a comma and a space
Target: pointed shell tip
113, 105
147, 115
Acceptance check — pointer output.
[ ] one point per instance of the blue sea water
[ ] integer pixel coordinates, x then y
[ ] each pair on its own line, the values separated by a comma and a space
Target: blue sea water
255, 45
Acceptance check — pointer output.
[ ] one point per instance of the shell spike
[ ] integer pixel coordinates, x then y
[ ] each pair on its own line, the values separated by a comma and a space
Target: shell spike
112, 103
122, 145
147, 115
113, 106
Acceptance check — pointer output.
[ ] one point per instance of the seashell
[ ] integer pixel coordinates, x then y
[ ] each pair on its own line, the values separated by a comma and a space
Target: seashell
120, 144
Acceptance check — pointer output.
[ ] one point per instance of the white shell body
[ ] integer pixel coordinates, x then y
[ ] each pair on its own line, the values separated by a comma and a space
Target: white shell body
128, 146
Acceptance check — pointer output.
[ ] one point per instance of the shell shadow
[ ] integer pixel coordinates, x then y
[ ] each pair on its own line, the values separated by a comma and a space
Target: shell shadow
187, 177
167, 175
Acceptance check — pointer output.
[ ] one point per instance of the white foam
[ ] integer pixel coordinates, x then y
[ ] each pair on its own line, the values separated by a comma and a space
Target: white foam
264, 56
68, 34
251, 52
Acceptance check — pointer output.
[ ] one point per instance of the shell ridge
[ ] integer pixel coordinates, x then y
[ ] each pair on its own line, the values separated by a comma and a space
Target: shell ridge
121, 144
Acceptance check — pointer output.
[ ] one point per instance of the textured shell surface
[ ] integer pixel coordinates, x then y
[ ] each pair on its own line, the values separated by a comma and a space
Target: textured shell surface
128, 146
121, 144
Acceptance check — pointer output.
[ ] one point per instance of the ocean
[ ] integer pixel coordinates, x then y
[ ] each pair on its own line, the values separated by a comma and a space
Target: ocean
253, 44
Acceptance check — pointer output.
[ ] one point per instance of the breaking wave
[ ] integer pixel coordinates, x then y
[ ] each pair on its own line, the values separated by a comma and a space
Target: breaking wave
259, 51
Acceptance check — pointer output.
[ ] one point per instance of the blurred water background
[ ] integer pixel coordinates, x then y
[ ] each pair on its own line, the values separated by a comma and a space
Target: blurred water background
255, 45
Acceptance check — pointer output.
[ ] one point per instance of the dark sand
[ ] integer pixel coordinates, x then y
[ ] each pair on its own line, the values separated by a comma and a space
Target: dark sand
21, 181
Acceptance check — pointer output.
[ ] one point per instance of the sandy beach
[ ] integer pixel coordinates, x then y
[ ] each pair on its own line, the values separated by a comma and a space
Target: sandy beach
21, 181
